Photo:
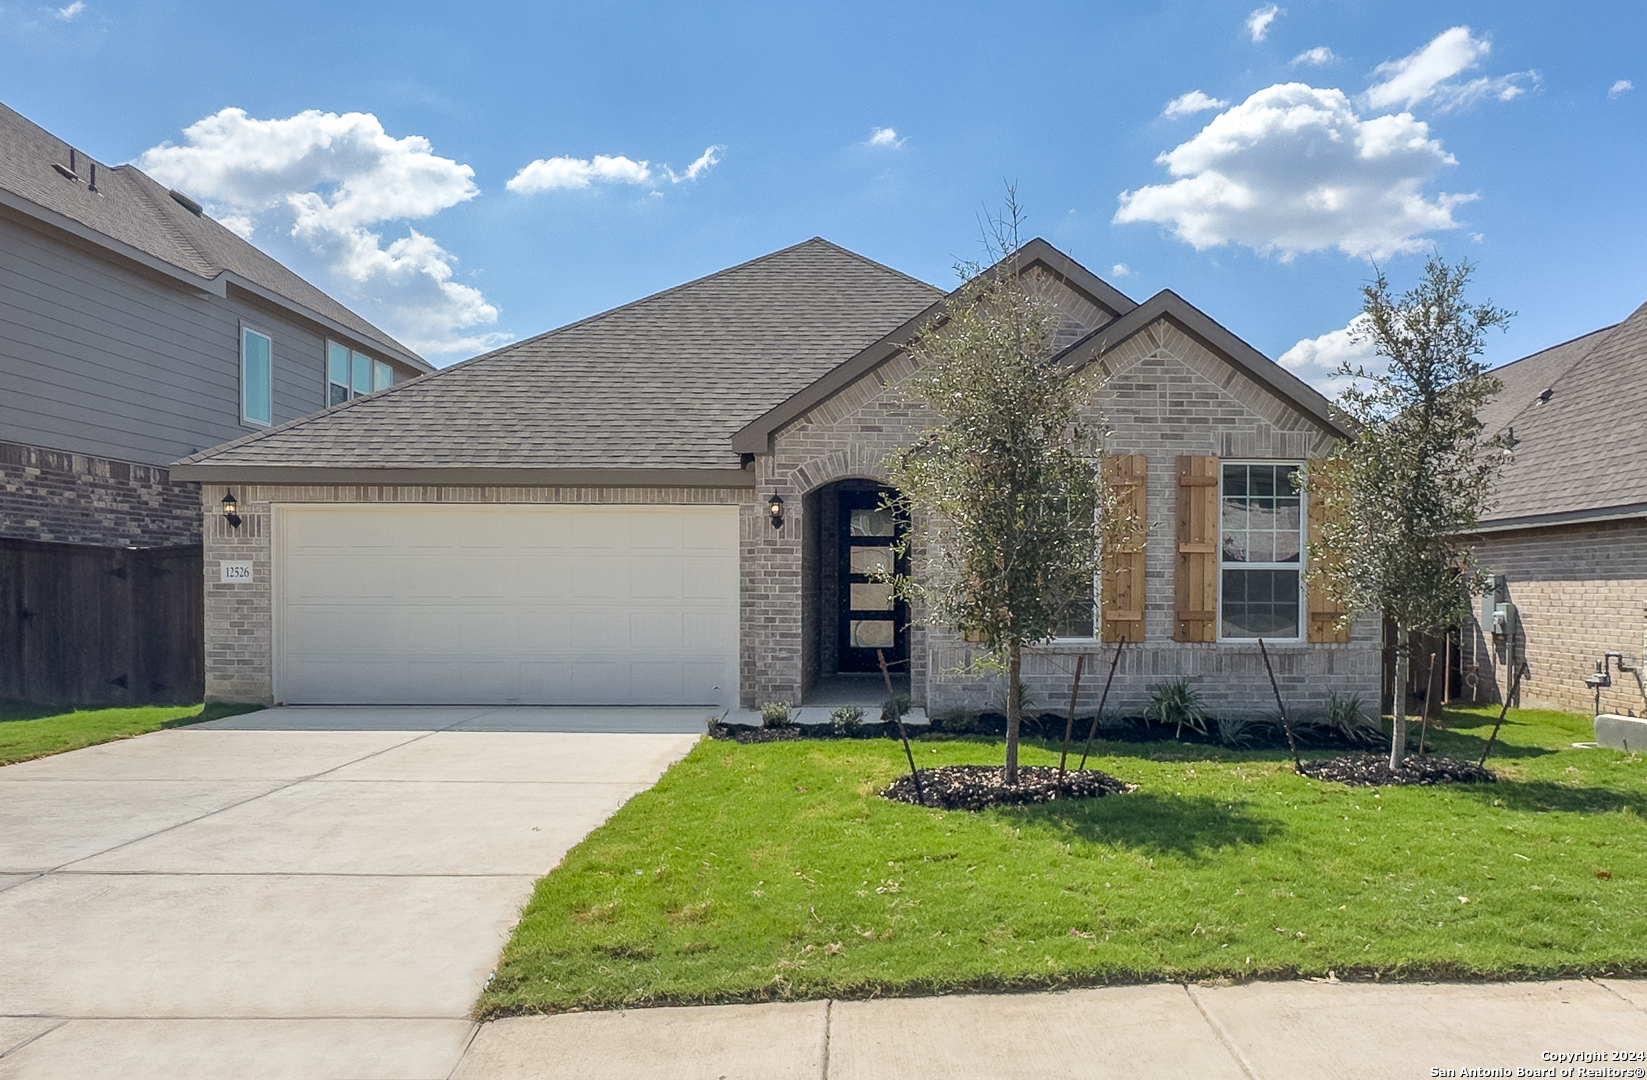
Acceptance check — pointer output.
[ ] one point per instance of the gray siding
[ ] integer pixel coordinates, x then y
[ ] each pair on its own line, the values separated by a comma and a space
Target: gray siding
98, 359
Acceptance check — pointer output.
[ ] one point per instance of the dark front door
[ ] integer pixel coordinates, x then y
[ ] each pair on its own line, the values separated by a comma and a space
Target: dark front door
871, 619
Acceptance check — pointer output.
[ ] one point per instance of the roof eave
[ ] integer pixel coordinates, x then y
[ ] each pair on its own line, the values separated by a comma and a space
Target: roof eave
332, 326
464, 476
1587, 516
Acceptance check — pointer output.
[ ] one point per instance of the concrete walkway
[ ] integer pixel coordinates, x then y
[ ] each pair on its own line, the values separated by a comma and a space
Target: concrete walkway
296, 893
1261, 1031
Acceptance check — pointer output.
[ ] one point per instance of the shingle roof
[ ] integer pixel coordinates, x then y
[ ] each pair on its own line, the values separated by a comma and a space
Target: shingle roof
131, 208
1582, 451
661, 383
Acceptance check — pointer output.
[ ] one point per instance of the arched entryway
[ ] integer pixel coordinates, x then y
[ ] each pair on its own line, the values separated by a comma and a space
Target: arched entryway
851, 617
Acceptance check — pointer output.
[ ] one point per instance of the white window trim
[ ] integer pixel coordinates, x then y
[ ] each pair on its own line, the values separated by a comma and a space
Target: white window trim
1299, 566
250, 421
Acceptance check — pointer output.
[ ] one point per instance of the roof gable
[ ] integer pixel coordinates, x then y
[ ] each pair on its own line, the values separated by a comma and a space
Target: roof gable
1090, 301
1126, 320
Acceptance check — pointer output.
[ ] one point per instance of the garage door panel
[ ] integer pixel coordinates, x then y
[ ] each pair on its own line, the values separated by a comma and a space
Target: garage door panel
500, 604
655, 579
704, 578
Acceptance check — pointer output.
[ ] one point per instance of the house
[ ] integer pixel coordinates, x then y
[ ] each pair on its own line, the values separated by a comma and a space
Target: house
1566, 539
678, 501
135, 330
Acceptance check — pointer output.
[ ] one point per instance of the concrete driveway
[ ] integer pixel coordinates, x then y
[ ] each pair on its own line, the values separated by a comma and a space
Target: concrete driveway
293, 893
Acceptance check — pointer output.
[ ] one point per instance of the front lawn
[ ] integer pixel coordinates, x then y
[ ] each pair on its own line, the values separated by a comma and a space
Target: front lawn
31, 731
770, 871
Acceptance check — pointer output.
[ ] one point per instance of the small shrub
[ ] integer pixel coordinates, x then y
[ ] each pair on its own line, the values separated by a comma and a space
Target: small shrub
895, 707
1173, 704
1347, 718
955, 722
847, 720
775, 714
1237, 732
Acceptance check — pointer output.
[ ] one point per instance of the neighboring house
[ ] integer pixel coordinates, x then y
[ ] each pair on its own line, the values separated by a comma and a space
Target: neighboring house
678, 501
135, 330
1567, 536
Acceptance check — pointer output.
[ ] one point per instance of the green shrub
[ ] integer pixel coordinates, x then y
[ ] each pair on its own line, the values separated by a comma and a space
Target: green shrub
775, 714
847, 720
955, 722
895, 707
1238, 732
1347, 718
1173, 704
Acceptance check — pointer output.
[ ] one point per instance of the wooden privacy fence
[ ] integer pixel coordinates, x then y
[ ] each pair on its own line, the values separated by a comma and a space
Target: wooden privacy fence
101, 626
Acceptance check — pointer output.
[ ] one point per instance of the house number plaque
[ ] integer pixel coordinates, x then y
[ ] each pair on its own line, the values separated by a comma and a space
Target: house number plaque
235, 572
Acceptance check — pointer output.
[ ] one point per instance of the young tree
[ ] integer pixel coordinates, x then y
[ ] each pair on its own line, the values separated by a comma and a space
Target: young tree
1003, 489
1403, 492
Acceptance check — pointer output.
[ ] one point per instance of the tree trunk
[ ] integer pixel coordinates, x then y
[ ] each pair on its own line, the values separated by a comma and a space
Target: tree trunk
1398, 730
1015, 712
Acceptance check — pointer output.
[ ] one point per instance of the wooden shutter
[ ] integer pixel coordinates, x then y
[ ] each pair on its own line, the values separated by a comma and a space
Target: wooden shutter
1323, 612
1195, 577
1121, 592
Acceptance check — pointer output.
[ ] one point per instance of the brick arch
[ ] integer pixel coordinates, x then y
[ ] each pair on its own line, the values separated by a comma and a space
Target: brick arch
856, 463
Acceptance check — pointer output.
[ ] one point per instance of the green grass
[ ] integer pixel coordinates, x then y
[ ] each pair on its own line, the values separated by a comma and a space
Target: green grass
775, 871
32, 731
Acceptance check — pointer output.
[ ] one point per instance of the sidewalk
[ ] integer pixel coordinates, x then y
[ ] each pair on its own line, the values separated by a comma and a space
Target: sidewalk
1260, 1031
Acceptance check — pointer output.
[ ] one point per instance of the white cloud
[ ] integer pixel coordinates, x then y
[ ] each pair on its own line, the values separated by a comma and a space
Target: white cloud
1425, 74
1191, 103
1258, 23
1318, 360
329, 178
885, 137
1294, 169
705, 161
1120, 270
561, 173
1619, 89
67, 14
1316, 57
568, 173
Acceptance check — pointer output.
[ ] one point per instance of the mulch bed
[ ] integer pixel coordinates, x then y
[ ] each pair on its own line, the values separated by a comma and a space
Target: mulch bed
1368, 770
747, 733
978, 787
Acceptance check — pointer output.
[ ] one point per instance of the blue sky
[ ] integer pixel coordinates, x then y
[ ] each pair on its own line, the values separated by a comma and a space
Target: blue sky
387, 151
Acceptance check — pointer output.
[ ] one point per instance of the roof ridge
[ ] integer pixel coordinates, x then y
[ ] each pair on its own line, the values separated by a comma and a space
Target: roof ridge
660, 294
871, 262
1583, 358
206, 267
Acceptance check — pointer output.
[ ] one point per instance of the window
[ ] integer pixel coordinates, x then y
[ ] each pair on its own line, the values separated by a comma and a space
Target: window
350, 374
337, 373
256, 364
1260, 551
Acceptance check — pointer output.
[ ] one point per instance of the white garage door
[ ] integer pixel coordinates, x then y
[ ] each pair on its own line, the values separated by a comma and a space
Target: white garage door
554, 605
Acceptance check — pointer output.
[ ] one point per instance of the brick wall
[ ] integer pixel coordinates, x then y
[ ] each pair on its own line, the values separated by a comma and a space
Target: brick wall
1166, 396
1580, 591
69, 498
239, 617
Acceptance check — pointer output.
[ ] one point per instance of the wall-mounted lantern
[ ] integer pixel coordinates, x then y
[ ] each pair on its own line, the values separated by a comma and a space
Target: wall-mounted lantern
230, 508
774, 510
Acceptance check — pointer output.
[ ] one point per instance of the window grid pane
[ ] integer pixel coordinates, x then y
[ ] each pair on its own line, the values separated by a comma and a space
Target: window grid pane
383, 376
363, 374
1261, 550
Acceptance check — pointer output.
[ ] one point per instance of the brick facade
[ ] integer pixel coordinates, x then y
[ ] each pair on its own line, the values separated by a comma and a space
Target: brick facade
61, 497
1166, 395
239, 617
1580, 591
